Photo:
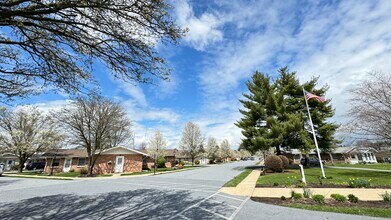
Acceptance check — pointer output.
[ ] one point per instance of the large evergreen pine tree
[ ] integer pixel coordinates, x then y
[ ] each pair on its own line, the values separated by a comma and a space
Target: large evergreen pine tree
274, 114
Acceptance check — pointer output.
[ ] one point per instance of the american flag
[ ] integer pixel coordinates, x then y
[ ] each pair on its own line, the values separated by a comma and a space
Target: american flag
309, 96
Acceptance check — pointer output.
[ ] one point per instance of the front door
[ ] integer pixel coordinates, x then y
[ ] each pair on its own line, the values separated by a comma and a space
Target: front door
119, 164
67, 164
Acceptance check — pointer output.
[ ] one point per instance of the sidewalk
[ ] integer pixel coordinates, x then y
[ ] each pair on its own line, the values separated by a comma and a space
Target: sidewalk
247, 188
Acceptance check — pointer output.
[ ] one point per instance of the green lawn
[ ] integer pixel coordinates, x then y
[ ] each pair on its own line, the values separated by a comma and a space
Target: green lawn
157, 170
339, 177
376, 212
380, 166
69, 174
238, 179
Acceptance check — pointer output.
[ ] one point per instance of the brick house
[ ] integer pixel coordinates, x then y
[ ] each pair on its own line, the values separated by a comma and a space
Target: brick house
113, 160
170, 155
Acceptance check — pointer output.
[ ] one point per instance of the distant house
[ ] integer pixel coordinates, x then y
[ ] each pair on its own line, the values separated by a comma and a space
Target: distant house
10, 160
350, 155
170, 155
113, 160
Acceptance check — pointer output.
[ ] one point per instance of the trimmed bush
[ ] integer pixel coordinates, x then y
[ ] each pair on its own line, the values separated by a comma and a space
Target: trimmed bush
296, 196
318, 198
338, 197
182, 163
72, 170
283, 198
83, 170
275, 184
307, 193
161, 162
290, 161
197, 162
386, 196
274, 163
352, 198
285, 161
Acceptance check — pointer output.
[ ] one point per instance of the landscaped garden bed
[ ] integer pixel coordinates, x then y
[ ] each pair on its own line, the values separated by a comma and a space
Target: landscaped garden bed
336, 178
368, 208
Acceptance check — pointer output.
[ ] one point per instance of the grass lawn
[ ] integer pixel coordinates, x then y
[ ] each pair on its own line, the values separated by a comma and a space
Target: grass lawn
69, 174
380, 166
339, 177
376, 212
238, 179
157, 170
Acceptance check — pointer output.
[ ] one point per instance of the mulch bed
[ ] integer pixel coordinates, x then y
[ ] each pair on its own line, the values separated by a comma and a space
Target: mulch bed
328, 202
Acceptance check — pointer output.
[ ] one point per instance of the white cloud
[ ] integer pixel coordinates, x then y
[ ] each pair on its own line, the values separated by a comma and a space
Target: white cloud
203, 30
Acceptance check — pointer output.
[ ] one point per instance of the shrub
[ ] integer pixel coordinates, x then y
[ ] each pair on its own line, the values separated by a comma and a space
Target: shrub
386, 196
318, 198
182, 163
160, 163
72, 170
83, 170
285, 161
380, 159
352, 198
290, 161
295, 195
307, 193
275, 184
338, 197
197, 162
358, 183
300, 184
274, 163
283, 198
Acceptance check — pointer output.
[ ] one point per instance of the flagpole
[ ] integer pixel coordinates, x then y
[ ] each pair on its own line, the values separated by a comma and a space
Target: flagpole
313, 133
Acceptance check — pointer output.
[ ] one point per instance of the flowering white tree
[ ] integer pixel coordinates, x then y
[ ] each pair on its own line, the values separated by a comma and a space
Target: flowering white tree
192, 141
27, 131
157, 145
212, 149
225, 150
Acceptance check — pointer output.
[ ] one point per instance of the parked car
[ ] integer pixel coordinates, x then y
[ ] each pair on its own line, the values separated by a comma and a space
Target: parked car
311, 161
35, 166
2, 166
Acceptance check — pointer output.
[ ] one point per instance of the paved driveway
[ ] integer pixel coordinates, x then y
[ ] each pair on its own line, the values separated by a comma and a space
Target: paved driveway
184, 195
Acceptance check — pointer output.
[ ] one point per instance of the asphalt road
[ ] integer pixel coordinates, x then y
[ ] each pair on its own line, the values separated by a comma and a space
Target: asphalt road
185, 195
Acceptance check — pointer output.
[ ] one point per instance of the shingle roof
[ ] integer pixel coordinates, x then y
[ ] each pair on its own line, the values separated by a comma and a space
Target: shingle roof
66, 153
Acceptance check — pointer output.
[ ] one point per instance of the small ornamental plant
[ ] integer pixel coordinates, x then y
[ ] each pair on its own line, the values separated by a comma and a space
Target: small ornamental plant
307, 193
359, 183
338, 197
386, 196
296, 196
352, 198
283, 198
318, 198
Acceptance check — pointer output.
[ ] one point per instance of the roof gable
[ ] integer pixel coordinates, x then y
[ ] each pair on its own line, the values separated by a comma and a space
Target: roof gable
121, 150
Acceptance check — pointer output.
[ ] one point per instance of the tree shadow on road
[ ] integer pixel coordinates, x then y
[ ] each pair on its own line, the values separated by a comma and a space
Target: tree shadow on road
134, 204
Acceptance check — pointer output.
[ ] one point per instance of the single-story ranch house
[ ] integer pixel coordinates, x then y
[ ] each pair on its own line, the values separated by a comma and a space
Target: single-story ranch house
350, 155
113, 160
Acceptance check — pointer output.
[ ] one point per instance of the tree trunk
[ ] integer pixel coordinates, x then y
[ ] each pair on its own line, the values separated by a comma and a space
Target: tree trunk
278, 151
192, 161
21, 165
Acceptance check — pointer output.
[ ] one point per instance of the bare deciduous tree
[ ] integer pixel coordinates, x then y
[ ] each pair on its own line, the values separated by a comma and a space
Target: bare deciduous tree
56, 42
192, 141
25, 132
371, 107
95, 123
157, 145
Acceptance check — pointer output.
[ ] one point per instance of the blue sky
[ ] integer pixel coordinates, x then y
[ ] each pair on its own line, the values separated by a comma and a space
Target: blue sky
340, 41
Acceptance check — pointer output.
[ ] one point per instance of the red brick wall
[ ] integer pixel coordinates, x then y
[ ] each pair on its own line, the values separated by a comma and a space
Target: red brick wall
56, 169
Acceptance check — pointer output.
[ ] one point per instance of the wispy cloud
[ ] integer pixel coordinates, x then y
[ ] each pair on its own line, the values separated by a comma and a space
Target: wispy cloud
203, 30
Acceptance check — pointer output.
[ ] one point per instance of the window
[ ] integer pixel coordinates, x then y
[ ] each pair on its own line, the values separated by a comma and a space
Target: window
81, 162
56, 162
